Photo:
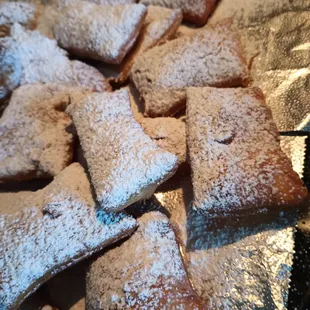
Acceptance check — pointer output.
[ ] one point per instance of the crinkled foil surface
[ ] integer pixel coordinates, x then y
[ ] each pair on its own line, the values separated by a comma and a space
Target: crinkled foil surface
295, 149
276, 37
233, 263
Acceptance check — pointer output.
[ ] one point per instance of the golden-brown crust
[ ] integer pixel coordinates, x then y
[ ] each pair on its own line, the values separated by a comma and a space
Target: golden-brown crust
201, 19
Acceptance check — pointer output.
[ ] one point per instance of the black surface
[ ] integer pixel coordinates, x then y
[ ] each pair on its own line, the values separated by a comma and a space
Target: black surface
299, 294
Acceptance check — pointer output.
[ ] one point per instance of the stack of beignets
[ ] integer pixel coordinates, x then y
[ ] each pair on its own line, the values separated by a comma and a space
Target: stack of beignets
186, 99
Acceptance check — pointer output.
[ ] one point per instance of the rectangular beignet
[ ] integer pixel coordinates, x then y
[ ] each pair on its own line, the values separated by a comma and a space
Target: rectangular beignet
159, 26
125, 165
34, 142
237, 164
44, 232
213, 56
105, 33
194, 11
144, 272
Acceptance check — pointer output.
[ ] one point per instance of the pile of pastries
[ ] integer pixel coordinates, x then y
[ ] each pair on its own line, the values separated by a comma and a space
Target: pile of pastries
107, 100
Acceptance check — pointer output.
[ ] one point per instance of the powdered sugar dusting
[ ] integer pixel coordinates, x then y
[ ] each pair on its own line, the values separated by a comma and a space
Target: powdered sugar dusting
145, 272
169, 134
160, 25
17, 12
33, 138
41, 60
50, 230
235, 155
10, 68
210, 57
101, 32
124, 163
196, 11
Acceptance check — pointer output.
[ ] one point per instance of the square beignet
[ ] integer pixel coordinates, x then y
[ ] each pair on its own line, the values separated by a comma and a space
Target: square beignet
44, 232
101, 32
237, 164
144, 272
213, 56
194, 11
125, 165
28, 57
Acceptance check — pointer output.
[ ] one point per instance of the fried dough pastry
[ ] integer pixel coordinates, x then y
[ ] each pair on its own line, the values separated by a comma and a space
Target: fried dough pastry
125, 165
213, 56
29, 57
46, 231
144, 272
34, 142
159, 26
195, 11
106, 33
237, 164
